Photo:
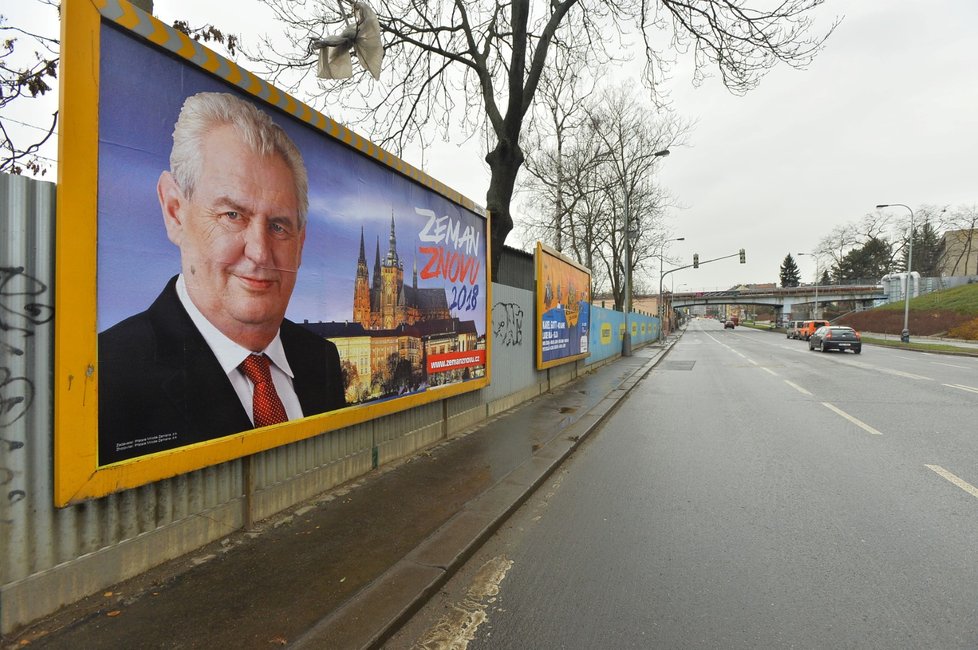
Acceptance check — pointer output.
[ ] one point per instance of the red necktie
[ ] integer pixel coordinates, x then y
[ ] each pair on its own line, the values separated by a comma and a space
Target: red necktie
267, 406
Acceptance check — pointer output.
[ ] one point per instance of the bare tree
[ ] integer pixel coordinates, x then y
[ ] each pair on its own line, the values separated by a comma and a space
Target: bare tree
893, 231
582, 182
556, 152
633, 141
482, 64
836, 244
28, 68
29, 62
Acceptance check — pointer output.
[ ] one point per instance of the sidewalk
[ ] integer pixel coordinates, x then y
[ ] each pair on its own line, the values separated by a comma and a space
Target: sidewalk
916, 338
345, 570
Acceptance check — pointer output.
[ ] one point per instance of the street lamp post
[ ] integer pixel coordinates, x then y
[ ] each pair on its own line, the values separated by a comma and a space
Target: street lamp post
905, 334
626, 339
661, 309
817, 279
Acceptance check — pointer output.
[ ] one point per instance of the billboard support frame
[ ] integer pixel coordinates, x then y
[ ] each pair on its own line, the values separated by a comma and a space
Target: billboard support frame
78, 475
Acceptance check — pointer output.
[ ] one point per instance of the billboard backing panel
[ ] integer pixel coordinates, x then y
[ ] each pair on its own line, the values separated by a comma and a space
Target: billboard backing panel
170, 263
563, 317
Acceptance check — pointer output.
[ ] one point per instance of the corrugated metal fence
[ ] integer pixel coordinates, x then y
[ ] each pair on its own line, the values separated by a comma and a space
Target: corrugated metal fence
50, 556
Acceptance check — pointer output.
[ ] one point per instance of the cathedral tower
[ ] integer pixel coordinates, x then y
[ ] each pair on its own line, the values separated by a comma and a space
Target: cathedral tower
361, 288
391, 282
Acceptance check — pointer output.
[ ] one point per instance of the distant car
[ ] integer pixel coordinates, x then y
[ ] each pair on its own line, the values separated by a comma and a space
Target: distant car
836, 337
729, 325
793, 328
808, 327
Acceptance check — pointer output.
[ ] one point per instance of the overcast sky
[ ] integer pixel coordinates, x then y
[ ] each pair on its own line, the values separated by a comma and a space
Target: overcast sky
887, 113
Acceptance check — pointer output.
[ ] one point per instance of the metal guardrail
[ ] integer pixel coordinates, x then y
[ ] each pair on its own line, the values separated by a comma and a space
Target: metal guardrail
832, 289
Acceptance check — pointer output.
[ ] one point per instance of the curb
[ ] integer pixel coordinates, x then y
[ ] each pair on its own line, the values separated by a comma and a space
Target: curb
381, 608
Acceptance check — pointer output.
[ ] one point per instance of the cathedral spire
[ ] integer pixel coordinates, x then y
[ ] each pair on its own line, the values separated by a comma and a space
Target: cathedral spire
377, 265
392, 259
363, 255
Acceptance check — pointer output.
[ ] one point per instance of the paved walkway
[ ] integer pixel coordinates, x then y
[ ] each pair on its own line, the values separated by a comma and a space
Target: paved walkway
346, 569
958, 343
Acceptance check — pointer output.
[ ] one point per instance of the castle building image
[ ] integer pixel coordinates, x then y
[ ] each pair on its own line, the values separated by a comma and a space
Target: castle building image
396, 330
387, 302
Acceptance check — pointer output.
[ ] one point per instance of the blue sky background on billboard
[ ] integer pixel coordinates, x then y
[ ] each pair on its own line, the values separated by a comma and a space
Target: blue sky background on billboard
884, 115
347, 191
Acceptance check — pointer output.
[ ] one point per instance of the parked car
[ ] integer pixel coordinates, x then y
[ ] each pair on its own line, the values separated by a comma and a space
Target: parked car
808, 328
729, 325
836, 337
793, 327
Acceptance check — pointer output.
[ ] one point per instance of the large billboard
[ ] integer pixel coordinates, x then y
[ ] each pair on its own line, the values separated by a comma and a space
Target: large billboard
563, 308
236, 271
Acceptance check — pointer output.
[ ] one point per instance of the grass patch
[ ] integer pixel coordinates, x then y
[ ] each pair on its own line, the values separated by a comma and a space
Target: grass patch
960, 300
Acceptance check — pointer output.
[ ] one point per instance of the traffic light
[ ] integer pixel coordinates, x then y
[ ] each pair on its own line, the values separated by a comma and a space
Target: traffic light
743, 256
696, 260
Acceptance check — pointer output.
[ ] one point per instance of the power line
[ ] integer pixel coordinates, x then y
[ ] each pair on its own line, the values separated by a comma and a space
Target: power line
32, 126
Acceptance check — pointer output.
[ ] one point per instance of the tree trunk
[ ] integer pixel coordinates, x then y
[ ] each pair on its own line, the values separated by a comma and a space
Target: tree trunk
504, 165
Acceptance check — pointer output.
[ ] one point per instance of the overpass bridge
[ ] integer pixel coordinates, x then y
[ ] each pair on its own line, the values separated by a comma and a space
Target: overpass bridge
790, 302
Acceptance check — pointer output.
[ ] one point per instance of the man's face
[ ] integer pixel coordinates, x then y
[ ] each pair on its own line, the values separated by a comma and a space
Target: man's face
239, 238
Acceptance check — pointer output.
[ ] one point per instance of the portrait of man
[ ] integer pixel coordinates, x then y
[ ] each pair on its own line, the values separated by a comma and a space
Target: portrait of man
214, 354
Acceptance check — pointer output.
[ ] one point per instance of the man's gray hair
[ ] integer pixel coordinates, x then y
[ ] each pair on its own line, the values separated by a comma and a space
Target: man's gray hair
203, 112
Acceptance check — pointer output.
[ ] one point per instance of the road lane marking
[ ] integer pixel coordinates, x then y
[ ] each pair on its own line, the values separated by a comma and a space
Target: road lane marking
908, 375
797, 388
950, 365
859, 423
889, 371
961, 483
970, 389
769, 371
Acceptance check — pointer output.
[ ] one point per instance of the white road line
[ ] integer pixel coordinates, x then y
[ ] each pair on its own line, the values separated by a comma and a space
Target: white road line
950, 365
797, 388
970, 389
769, 371
961, 483
907, 375
857, 422
900, 356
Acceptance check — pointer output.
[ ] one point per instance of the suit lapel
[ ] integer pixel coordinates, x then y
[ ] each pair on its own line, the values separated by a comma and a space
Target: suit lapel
193, 380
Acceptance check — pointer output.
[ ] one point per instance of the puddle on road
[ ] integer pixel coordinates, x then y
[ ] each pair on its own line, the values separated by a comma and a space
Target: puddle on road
457, 628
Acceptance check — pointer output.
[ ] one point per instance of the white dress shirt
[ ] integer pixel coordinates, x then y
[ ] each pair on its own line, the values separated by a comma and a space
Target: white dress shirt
230, 355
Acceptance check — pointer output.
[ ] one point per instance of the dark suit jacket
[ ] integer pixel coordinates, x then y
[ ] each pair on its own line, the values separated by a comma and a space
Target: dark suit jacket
161, 387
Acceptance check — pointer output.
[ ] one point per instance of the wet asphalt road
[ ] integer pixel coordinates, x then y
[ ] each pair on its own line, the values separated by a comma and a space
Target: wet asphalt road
747, 494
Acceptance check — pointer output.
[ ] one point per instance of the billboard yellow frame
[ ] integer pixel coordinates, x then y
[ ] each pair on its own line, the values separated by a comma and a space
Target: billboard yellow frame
544, 252
78, 475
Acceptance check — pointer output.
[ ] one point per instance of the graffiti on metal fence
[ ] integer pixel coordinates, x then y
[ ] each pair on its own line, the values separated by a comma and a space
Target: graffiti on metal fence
22, 310
507, 323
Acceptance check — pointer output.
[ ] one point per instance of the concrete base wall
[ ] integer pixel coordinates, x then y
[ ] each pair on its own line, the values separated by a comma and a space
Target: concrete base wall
45, 592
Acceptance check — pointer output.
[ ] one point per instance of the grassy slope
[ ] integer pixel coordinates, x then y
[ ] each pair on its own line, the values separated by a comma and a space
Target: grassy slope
961, 300
931, 314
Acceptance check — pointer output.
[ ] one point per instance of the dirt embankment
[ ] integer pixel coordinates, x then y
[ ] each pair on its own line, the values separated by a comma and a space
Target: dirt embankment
922, 323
